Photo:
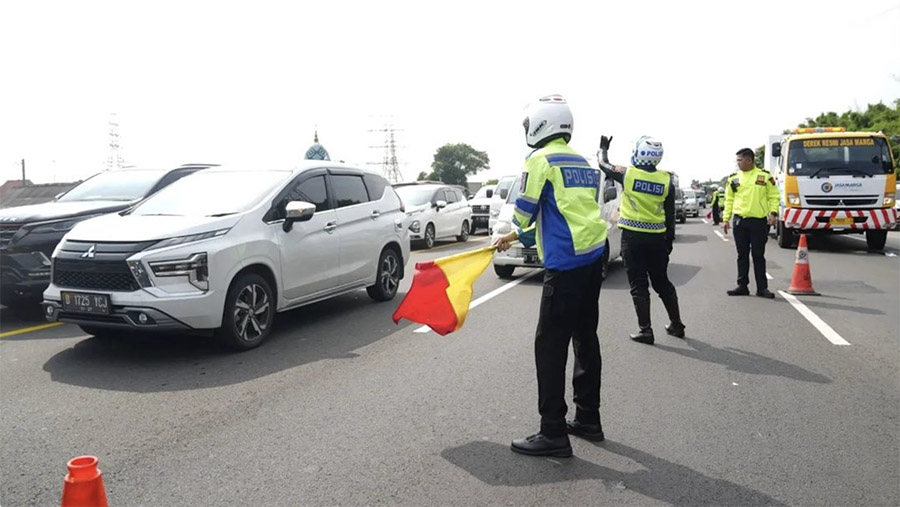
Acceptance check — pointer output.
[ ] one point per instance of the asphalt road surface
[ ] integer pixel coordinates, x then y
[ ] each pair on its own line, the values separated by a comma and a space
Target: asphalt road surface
341, 407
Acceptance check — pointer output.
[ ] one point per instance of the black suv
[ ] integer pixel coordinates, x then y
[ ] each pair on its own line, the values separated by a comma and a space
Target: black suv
29, 234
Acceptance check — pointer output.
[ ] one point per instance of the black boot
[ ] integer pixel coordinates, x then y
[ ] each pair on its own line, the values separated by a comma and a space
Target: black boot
645, 334
540, 445
675, 327
592, 432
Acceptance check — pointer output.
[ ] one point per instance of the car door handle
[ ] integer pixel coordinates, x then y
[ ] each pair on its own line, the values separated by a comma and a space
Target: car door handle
375, 214
330, 227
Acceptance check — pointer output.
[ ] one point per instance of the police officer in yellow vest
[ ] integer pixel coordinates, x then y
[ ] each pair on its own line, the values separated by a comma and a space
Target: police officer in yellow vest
751, 199
718, 202
558, 195
647, 220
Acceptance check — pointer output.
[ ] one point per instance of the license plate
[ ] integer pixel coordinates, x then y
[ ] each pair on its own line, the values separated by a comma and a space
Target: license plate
841, 221
82, 302
531, 259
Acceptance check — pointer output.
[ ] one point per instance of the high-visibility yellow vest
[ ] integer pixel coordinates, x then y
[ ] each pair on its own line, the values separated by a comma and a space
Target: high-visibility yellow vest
642, 207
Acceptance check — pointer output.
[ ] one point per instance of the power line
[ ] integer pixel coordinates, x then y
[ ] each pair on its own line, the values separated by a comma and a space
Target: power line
390, 167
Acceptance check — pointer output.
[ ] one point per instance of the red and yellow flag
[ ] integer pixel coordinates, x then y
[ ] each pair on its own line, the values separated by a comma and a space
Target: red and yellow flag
442, 290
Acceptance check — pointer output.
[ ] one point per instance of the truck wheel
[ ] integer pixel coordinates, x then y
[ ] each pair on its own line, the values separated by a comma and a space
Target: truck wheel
387, 278
875, 240
504, 271
784, 236
249, 312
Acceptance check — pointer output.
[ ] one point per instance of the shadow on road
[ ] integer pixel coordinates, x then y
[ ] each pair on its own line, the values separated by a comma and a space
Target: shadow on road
744, 362
494, 464
819, 303
690, 238
679, 274
332, 329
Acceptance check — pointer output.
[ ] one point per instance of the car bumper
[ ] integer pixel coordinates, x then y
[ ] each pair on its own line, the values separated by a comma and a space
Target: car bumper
481, 220
518, 256
24, 274
846, 220
165, 312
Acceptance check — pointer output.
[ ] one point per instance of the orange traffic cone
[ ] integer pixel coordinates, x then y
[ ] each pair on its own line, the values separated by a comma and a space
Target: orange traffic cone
83, 485
801, 281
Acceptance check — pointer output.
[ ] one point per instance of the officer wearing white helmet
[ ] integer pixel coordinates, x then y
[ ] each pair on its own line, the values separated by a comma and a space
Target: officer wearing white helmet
647, 220
558, 197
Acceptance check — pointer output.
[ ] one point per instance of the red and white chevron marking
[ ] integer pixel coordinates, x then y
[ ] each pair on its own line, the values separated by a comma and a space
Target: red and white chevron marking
817, 219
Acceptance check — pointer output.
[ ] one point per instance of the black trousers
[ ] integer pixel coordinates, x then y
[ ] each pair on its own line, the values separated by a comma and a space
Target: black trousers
646, 256
750, 236
569, 310
717, 214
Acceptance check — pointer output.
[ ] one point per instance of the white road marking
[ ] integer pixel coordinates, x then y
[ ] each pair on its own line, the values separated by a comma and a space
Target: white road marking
719, 234
768, 276
814, 319
492, 294
704, 221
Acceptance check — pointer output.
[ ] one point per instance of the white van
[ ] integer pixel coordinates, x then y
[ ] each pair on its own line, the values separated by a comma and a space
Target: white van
505, 263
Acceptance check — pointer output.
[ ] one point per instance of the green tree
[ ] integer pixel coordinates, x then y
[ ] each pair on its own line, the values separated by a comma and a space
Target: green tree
454, 162
422, 176
759, 156
492, 182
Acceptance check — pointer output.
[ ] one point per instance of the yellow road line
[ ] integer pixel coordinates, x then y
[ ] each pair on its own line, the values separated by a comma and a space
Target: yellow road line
30, 329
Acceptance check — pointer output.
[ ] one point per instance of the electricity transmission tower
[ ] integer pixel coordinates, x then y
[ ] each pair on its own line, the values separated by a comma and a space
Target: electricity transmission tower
115, 160
390, 168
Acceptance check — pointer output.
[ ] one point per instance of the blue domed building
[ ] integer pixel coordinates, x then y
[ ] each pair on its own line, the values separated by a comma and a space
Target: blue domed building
317, 151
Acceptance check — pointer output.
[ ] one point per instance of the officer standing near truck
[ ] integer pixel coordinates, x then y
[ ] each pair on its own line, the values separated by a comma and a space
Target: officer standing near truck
559, 192
751, 200
718, 202
647, 220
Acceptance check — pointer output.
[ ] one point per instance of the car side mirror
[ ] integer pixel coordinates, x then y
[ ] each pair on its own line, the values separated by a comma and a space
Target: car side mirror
440, 204
504, 193
297, 211
776, 149
489, 193
610, 194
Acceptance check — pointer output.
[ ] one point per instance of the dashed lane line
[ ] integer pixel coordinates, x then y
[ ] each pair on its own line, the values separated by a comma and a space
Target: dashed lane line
704, 221
768, 276
492, 294
719, 234
30, 329
814, 319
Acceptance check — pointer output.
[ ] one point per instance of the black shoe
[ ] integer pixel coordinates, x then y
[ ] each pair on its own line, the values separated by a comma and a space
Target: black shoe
765, 293
739, 291
539, 445
592, 432
643, 336
675, 329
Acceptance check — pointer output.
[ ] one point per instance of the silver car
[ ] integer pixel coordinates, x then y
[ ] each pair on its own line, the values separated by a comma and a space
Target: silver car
691, 202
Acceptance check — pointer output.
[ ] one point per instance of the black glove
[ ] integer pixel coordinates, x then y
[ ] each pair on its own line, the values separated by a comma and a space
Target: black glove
605, 142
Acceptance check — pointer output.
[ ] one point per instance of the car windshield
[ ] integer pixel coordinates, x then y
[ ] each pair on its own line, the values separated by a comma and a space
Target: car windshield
414, 195
863, 156
483, 191
115, 186
689, 194
212, 193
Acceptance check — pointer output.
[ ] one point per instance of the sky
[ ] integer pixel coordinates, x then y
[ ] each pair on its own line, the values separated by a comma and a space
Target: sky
248, 83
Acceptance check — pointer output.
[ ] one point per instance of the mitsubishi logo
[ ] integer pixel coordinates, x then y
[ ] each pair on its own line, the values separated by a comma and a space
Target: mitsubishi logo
90, 252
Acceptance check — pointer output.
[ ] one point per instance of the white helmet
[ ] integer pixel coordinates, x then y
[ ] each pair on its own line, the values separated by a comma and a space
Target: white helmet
647, 152
549, 117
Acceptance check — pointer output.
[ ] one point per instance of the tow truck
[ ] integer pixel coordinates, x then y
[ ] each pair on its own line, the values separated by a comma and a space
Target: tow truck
832, 181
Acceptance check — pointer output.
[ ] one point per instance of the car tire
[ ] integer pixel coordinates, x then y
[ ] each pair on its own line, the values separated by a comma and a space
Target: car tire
387, 277
464, 232
429, 236
473, 229
875, 240
504, 271
683, 219
249, 313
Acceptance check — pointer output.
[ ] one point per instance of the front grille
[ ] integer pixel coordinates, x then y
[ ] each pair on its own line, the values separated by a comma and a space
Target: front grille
481, 208
7, 231
94, 275
843, 200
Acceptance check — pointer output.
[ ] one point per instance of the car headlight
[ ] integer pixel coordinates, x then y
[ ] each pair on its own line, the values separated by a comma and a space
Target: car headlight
889, 199
793, 199
55, 227
495, 213
415, 226
181, 240
195, 268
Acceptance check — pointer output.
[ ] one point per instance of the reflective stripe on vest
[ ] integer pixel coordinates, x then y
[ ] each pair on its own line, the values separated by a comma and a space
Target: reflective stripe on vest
645, 193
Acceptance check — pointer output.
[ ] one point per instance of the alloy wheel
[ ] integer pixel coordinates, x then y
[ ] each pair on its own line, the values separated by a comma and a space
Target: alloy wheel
251, 312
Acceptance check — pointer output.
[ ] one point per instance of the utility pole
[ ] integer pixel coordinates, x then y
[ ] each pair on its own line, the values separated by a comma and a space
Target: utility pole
115, 160
23, 173
390, 167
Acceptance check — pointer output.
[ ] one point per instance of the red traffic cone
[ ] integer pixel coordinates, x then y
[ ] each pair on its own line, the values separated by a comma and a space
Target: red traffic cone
801, 280
709, 215
83, 485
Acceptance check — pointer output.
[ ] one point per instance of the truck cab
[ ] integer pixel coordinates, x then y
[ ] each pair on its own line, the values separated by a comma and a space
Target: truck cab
832, 181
